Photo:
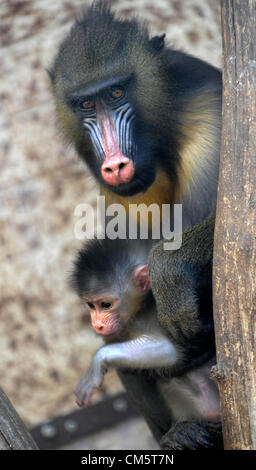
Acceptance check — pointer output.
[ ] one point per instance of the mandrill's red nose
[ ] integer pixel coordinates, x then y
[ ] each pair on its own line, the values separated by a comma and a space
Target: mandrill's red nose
99, 327
102, 329
117, 170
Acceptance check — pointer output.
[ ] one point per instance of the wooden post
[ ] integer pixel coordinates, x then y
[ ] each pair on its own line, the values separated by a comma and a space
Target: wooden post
13, 434
235, 232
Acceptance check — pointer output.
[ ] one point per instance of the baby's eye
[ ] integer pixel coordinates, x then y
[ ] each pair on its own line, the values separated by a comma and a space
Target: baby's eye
90, 305
106, 305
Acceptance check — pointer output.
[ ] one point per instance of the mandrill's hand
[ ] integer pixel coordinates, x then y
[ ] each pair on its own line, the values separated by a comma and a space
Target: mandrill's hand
90, 381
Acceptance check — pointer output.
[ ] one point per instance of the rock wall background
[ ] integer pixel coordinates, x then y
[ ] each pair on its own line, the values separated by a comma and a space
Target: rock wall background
45, 337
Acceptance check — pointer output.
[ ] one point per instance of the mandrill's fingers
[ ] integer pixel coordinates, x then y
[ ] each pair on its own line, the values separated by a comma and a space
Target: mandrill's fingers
88, 384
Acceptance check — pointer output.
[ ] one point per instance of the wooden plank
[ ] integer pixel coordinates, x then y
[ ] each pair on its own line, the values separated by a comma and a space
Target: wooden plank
235, 233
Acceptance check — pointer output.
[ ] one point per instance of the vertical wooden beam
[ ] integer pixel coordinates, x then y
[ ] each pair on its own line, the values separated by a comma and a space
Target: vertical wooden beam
235, 234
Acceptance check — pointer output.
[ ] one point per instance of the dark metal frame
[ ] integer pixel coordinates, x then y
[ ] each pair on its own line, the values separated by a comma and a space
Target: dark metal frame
67, 428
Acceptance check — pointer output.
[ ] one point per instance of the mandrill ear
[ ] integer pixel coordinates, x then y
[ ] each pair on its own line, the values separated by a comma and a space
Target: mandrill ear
141, 278
158, 42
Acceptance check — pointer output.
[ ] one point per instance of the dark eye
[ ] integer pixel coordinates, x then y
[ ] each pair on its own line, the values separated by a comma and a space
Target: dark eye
105, 305
90, 305
87, 104
117, 92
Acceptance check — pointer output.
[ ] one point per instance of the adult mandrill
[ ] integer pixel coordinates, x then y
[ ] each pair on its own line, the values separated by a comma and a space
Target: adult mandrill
168, 367
145, 118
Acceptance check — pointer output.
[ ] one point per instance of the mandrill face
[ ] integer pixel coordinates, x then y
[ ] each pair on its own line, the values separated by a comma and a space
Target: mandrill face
110, 314
108, 119
109, 84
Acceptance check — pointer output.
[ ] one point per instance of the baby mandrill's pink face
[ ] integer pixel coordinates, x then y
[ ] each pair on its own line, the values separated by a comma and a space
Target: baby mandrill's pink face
109, 314
105, 315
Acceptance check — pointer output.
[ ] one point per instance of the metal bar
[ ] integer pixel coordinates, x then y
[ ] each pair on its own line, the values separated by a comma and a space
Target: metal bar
66, 428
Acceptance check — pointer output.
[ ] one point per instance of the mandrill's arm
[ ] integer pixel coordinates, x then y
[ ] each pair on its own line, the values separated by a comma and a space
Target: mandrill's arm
181, 283
143, 352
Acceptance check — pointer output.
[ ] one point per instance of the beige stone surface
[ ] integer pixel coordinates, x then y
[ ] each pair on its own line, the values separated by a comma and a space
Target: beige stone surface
45, 337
